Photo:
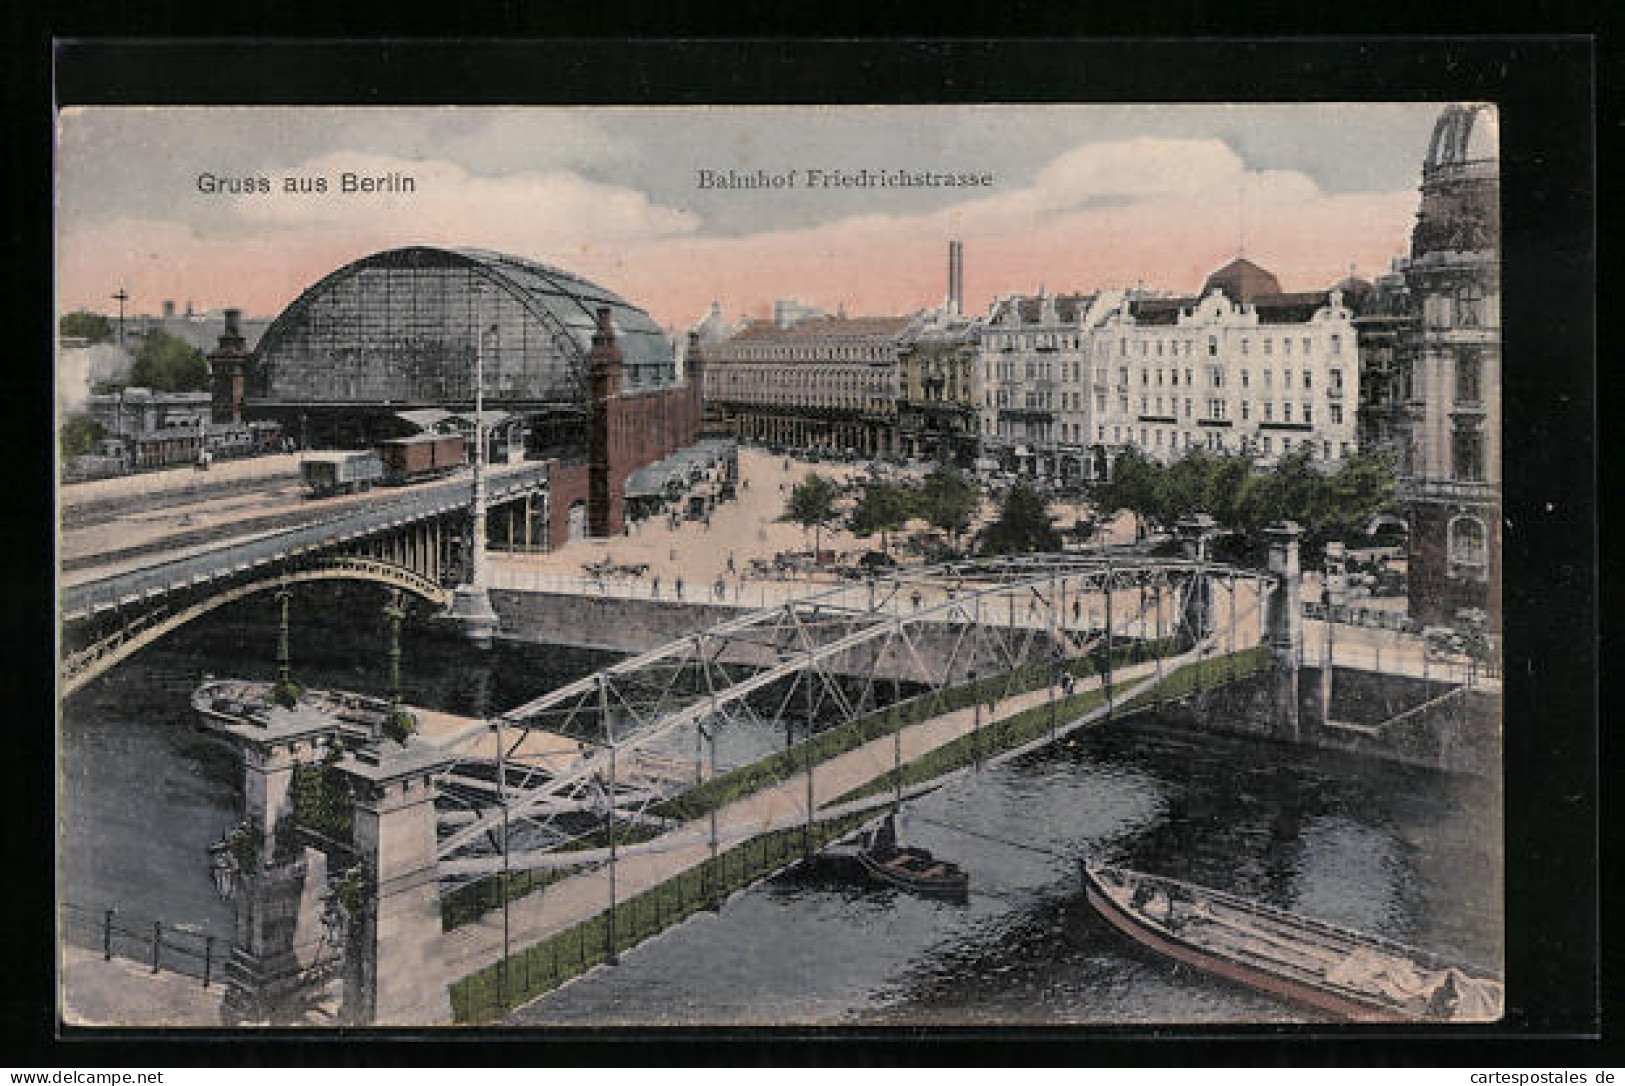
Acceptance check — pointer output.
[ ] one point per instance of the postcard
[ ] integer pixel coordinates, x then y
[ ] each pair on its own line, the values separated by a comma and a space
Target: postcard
837, 566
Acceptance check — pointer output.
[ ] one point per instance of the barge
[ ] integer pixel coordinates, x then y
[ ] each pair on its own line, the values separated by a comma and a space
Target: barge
1352, 975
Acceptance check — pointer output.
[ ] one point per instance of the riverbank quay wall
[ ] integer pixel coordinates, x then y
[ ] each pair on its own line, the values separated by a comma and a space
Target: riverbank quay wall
1432, 724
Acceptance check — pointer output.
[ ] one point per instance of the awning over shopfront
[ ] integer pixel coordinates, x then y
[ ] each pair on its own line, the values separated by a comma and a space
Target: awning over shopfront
674, 474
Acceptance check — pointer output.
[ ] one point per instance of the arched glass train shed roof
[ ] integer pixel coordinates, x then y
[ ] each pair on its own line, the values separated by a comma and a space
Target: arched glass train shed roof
400, 327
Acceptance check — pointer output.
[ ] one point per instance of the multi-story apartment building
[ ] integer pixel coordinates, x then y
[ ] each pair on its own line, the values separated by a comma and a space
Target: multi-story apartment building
938, 390
1035, 410
1451, 468
1245, 368
823, 382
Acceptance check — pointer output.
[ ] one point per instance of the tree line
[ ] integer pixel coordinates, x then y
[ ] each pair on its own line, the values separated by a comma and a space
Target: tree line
944, 499
1244, 498
1241, 497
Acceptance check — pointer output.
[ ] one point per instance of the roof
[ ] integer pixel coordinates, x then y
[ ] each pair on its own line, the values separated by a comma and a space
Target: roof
424, 418
1241, 281
1069, 308
568, 299
764, 331
652, 481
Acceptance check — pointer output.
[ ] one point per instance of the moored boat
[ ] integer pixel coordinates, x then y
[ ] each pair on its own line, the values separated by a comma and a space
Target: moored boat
1353, 975
909, 867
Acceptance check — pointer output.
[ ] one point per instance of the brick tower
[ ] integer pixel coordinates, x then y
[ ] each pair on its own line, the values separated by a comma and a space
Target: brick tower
226, 365
605, 500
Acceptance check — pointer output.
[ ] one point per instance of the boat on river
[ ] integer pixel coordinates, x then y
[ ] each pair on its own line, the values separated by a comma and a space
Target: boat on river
1355, 976
909, 867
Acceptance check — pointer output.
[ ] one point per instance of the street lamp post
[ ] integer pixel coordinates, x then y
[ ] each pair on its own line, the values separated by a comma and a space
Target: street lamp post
471, 603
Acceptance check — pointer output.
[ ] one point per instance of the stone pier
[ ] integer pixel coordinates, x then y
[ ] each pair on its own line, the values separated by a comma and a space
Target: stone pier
1283, 623
394, 835
281, 885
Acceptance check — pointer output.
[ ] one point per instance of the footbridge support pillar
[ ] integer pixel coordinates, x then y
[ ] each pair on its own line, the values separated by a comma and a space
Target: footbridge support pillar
399, 921
1283, 623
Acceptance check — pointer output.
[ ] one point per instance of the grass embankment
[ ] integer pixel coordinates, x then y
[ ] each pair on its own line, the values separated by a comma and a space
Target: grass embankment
1032, 723
475, 898
483, 996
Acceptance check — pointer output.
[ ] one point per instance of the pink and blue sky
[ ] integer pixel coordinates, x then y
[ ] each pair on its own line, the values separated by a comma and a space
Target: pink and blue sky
1084, 197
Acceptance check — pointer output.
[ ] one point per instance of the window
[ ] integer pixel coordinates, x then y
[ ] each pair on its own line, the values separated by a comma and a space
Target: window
1286, 412
1468, 374
1343, 449
1308, 413
1244, 342
1159, 378
1188, 404
1326, 450
1269, 411
1469, 306
1307, 345
1188, 380
1268, 343
1286, 344
1216, 376
1245, 414
1269, 378
1337, 344
1246, 379
1337, 376
1469, 549
1212, 345
1173, 377
1468, 455
1308, 382
1337, 414
1286, 378
1266, 444
1102, 431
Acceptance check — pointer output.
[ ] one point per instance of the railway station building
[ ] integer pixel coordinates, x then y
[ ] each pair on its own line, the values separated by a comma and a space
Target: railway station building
386, 346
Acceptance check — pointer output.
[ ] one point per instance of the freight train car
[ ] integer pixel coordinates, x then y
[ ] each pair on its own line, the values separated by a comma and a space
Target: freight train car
408, 459
327, 473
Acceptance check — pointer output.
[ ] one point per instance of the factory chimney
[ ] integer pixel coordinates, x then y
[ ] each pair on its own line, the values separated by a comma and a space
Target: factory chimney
956, 278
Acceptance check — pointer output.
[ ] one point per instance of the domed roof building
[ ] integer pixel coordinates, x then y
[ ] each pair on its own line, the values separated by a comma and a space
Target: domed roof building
1450, 461
1460, 184
400, 327
1241, 281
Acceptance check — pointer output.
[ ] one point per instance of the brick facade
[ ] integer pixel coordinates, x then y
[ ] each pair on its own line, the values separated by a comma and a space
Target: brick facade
627, 430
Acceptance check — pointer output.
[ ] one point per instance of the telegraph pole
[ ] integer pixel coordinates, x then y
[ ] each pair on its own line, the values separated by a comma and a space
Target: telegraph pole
121, 296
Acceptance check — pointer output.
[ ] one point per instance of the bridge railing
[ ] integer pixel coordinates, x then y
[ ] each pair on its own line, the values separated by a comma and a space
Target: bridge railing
279, 546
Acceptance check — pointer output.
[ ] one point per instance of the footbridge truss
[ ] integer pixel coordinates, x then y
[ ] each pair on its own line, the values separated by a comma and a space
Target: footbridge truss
540, 781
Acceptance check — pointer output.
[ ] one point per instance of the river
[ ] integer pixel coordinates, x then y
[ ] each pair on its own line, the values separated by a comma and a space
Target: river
1406, 853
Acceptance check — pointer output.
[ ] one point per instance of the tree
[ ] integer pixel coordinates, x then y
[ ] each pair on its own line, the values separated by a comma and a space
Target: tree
83, 323
1023, 526
80, 433
948, 500
1134, 486
883, 508
811, 505
169, 364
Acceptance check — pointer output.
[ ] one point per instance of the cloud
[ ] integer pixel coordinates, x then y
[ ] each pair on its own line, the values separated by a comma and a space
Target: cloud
1162, 211
555, 208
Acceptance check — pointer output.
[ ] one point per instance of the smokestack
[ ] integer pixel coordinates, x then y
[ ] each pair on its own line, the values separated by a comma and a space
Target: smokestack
956, 278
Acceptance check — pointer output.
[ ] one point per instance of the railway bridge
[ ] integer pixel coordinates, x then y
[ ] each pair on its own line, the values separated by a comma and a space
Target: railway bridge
597, 814
414, 541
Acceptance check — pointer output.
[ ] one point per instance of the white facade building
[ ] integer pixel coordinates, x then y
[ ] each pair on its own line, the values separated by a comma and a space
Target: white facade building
1229, 376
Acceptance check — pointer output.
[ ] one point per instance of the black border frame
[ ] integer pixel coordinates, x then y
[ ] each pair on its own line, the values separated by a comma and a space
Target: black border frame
1545, 88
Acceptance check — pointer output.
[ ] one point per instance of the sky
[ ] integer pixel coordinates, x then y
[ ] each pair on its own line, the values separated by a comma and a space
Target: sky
1081, 198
